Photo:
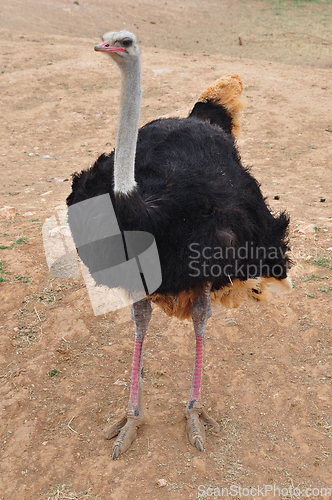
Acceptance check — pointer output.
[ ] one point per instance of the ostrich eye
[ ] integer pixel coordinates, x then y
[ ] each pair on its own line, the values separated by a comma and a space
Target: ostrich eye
127, 42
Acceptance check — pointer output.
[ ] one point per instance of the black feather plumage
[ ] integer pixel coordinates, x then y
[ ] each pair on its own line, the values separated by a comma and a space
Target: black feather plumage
192, 194
213, 113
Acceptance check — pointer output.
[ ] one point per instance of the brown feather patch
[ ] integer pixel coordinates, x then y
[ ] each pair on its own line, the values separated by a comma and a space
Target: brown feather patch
227, 92
231, 296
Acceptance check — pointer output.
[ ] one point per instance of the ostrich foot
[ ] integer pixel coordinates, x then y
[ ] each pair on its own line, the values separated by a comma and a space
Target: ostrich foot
196, 418
126, 429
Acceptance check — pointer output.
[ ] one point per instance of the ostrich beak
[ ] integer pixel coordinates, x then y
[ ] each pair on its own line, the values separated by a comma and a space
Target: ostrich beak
106, 47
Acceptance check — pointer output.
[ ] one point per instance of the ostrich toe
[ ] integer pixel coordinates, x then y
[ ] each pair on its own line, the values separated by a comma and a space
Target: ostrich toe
196, 418
126, 429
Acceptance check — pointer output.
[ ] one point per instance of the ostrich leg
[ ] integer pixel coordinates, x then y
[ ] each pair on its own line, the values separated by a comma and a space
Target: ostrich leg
196, 416
126, 427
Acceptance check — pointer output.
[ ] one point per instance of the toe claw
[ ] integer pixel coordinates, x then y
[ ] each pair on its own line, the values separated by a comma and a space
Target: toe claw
115, 429
196, 418
116, 452
199, 445
126, 430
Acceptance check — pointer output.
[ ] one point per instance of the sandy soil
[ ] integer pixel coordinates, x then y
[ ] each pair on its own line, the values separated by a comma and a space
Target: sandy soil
64, 372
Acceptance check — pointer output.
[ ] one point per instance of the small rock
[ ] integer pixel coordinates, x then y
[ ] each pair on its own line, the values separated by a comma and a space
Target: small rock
120, 382
322, 200
229, 322
60, 180
7, 212
161, 483
277, 197
323, 242
305, 228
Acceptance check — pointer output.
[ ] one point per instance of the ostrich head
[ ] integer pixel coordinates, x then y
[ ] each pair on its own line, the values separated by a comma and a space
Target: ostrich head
121, 46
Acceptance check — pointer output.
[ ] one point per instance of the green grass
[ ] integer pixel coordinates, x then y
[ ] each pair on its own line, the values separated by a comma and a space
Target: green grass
66, 492
313, 277
310, 295
18, 277
23, 279
53, 372
322, 262
326, 289
303, 2
19, 241
2, 272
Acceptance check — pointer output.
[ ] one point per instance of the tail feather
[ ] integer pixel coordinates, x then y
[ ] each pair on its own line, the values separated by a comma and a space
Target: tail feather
221, 103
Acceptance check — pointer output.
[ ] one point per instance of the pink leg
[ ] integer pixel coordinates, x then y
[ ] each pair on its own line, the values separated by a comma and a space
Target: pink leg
126, 427
135, 373
196, 415
198, 368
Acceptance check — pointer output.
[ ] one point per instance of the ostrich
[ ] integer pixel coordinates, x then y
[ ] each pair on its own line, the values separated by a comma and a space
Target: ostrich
182, 181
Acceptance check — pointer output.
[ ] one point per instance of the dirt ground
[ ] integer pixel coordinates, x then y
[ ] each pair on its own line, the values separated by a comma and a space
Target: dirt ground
65, 372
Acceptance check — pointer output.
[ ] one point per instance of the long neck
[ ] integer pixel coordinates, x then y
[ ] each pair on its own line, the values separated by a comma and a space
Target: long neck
125, 149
